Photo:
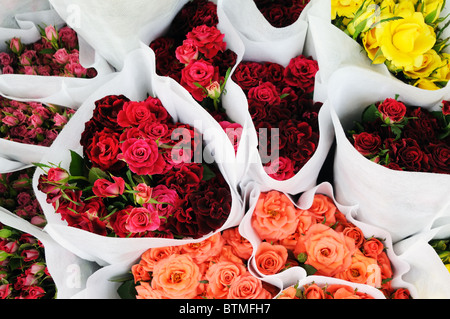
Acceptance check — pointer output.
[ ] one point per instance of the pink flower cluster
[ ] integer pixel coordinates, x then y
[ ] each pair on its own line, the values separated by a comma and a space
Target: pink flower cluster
17, 196
23, 271
55, 54
32, 122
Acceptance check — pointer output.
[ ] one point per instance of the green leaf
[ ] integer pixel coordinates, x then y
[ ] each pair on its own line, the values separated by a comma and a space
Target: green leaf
310, 270
96, 173
77, 164
5, 233
208, 174
370, 114
127, 290
47, 51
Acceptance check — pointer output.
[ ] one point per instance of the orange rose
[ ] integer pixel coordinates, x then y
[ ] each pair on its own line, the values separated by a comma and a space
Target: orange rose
177, 277
329, 252
226, 254
205, 249
144, 291
345, 292
355, 233
386, 270
305, 221
270, 259
241, 246
140, 273
341, 221
248, 287
275, 217
288, 293
323, 209
290, 241
373, 247
220, 277
313, 291
151, 256
363, 270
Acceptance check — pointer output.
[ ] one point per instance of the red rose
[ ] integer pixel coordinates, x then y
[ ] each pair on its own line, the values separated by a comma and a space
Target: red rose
104, 188
301, 72
185, 178
118, 223
104, 149
423, 126
446, 107
248, 74
142, 156
408, 154
107, 108
401, 293
280, 169
200, 72
265, 92
367, 144
273, 72
141, 220
209, 40
439, 155
155, 131
183, 222
392, 110
135, 113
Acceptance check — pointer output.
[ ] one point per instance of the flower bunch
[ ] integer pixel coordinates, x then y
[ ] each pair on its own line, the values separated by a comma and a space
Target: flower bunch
32, 122
214, 268
194, 54
404, 137
319, 239
315, 291
23, 270
281, 14
442, 249
138, 176
17, 196
404, 35
55, 54
280, 102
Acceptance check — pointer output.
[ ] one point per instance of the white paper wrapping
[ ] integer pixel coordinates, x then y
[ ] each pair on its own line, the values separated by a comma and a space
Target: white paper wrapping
135, 82
290, 276
68, 271
403, 203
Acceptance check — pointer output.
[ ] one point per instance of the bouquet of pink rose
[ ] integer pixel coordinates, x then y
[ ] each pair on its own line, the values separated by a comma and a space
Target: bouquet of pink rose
281, 98
23, 270
215, 268
32, 122
135, 178
281, 13
320, 239
194, 54
55, 54
404, 137
17, 196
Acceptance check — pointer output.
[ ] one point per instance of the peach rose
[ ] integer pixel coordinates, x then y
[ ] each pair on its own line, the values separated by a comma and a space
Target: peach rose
304, 222
373, 247
241, 247
139, 273
145, 291
345, 292
313, 291
290, 241
363, 270
205, 249
177, 277
151, 256
323, 209
270, 259
355, 233
329, 252
248, 287
226, 254
220, 277
288, 293
275, 217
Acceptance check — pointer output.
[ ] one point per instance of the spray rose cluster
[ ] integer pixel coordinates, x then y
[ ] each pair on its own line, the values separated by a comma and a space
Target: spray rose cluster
23, 271
55, 54
404, 137
32, 122
280, 100
17, 196
138, 176
320, 239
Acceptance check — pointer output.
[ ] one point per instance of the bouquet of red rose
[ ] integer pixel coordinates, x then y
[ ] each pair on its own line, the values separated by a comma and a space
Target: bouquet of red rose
55, 54
321, 237
281, 99
17, 196
404, 137
24, 274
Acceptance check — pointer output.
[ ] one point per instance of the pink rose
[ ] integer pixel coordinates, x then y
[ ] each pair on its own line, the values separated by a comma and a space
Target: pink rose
69, 37
75, 69
59, 119
5, 59
140, 219
209, 40
8, 70
50, 33
143, 193
186, 52
142, 156
29, 254
104, 188
16, 46
61, 56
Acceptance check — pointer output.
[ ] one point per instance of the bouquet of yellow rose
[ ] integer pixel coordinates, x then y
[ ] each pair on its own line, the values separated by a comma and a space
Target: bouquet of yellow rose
408, 36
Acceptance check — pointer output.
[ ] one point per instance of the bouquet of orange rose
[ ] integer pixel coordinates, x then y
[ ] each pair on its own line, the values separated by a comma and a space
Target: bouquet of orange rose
319, 238
407, 36
215, 268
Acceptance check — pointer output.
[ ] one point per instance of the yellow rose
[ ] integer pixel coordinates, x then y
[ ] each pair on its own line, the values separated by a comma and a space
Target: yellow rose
427, 84
344, 8
405, 40
404, 8
444, 71
388, 5
364, 21
370, 44
431, 9
430, 62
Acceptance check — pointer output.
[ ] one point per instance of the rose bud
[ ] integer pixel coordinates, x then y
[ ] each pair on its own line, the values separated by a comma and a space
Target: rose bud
57, 175
143, 194
104, 188
214, 90
16, 46
50, 33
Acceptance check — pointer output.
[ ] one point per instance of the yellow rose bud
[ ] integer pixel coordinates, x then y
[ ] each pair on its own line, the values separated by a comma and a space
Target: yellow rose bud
388, 5
430, 62
404, 8
344, 8
365, 20
444, 71
427, 84
431, 9
370, 44
405, 40
448, 267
